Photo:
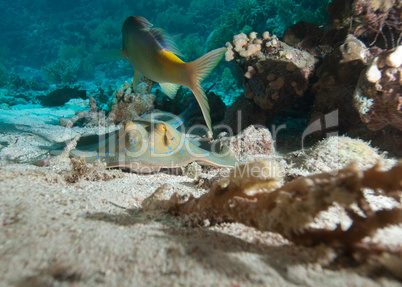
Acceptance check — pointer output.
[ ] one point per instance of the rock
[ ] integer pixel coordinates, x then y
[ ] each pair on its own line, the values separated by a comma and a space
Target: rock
61, 96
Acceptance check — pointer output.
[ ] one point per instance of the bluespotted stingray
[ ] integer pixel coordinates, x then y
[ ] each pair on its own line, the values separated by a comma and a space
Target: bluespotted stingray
146, 146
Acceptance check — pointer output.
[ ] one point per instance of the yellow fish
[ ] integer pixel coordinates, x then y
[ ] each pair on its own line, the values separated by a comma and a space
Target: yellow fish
152, 53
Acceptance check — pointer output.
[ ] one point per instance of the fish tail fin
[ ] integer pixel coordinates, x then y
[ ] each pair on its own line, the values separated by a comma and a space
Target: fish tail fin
108, 55
199, 69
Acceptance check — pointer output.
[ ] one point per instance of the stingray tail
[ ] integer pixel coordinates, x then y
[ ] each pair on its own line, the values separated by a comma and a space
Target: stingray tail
198, 70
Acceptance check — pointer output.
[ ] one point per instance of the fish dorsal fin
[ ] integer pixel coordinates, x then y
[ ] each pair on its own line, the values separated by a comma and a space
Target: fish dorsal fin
165, 41
144, 22
170, 89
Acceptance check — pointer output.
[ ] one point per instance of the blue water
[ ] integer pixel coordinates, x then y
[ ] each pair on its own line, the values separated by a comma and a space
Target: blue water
36, 34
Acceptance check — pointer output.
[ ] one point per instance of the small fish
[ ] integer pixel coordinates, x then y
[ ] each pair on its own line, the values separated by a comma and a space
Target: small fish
152, 53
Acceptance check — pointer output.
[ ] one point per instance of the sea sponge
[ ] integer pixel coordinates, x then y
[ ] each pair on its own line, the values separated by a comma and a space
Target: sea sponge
378, 95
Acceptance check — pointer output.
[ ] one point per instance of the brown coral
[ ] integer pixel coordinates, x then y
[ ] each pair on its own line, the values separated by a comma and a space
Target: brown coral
378, 95
128, 105
276, 74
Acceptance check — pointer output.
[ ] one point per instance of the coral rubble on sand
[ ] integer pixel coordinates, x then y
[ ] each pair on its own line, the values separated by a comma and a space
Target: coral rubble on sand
253, 194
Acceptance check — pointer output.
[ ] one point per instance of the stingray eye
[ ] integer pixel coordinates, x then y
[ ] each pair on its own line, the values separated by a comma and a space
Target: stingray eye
160, 127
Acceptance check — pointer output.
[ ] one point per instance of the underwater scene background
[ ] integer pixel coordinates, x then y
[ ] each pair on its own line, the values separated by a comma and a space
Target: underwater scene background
316, 58
108, 178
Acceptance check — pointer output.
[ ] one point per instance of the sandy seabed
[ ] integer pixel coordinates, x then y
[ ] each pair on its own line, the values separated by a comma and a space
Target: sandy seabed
95, 233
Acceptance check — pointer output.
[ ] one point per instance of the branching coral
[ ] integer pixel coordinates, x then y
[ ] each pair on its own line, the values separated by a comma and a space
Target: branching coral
276, 74
378, 95
253, 195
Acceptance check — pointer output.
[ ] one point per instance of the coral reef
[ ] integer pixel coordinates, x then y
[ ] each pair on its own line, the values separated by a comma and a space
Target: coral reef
10, 98
251, 142
343, 63
274, 16
62, 71
309, 37
304, 36
243, 113
253, 195
185, 100
127, 105
337, 78
378, 95
276, 73
369, 19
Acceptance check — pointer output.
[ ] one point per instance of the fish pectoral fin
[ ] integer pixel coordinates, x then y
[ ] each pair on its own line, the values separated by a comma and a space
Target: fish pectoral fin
108, 55
170, 89
136, 80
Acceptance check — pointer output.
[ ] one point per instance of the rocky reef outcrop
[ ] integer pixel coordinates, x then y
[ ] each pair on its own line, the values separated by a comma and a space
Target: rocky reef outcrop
275, 73
378, 94
352, 67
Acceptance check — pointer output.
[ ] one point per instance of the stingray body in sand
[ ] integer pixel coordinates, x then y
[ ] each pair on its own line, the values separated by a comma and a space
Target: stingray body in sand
147, 146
